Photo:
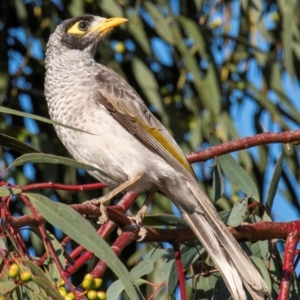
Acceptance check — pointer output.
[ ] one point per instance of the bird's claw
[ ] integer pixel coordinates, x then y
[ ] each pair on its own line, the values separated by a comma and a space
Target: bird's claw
103, 218
133, 227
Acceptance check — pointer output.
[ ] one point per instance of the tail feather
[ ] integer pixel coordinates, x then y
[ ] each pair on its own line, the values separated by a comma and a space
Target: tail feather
209, 241
222, 247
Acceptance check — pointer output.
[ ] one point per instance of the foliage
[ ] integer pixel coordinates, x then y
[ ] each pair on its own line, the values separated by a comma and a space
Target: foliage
202, 67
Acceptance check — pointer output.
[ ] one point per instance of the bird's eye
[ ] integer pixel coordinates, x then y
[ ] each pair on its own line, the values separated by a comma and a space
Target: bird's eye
82, 25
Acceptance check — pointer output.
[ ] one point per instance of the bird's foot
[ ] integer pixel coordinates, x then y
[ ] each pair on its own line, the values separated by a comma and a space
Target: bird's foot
103, 218
138, 218
133, 227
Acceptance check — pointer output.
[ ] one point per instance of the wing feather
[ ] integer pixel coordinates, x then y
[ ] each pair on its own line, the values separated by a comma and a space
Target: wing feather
114, 94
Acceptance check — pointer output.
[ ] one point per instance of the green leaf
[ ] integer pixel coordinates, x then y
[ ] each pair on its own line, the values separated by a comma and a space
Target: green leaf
149, 85
224, 214
260, 249
274, 182
82, 232
145, 267
211, 95
6, 286
188, 256
276, 83
287, 10
266, 217
111, 8
163, 219
10, 111
76, 8
162, 24
8, 191
42, 280
263, 270
36, 270
218, 181
53, 159
238, 213
48, 287
40, 296
20, 10
59, 251
263, 101
205, 286
235, 173
136, 28
17, 145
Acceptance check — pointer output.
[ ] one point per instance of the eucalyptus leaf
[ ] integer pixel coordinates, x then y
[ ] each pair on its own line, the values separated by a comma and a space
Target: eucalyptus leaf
235, 173
274, 182
163, 219
48, 287
238, 213
260, 265
145, 267
260, 249
74, 225
6, 191
7, 286
149, 85
161, 24
17, 145
53, 159
10, 111
188, 255
218, 181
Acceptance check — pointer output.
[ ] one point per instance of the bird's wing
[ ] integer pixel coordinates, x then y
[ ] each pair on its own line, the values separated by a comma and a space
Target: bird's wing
125, 105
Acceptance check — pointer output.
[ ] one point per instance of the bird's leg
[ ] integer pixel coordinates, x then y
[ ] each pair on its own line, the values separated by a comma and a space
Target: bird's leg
101, 201
141, 213
137, 219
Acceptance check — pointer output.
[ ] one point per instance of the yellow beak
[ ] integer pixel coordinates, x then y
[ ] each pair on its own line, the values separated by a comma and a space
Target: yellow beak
108, 24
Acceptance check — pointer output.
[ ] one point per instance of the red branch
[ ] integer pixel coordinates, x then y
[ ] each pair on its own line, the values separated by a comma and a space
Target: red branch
245, 143
180, 270
123, 205
288, 265
64, 187
250, 232
48, 244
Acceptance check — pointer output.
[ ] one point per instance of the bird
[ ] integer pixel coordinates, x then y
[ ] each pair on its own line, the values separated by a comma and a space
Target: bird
119, 135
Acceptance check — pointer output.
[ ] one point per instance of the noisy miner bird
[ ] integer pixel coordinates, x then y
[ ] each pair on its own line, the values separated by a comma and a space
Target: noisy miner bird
120, 136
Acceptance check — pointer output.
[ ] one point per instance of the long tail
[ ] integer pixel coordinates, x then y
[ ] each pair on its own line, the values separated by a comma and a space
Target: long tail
233, 264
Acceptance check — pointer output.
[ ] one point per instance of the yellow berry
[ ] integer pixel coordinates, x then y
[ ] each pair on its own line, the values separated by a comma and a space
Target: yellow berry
26, 276
97, 282
101, 295
217, 22
61, 283
70, 296
88, 276
275, 16
241, 85
63, 291
92, 295
119, 47
13, 271
87, 284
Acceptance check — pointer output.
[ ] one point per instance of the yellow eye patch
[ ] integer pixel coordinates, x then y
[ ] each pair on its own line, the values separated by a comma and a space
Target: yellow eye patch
79, 28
